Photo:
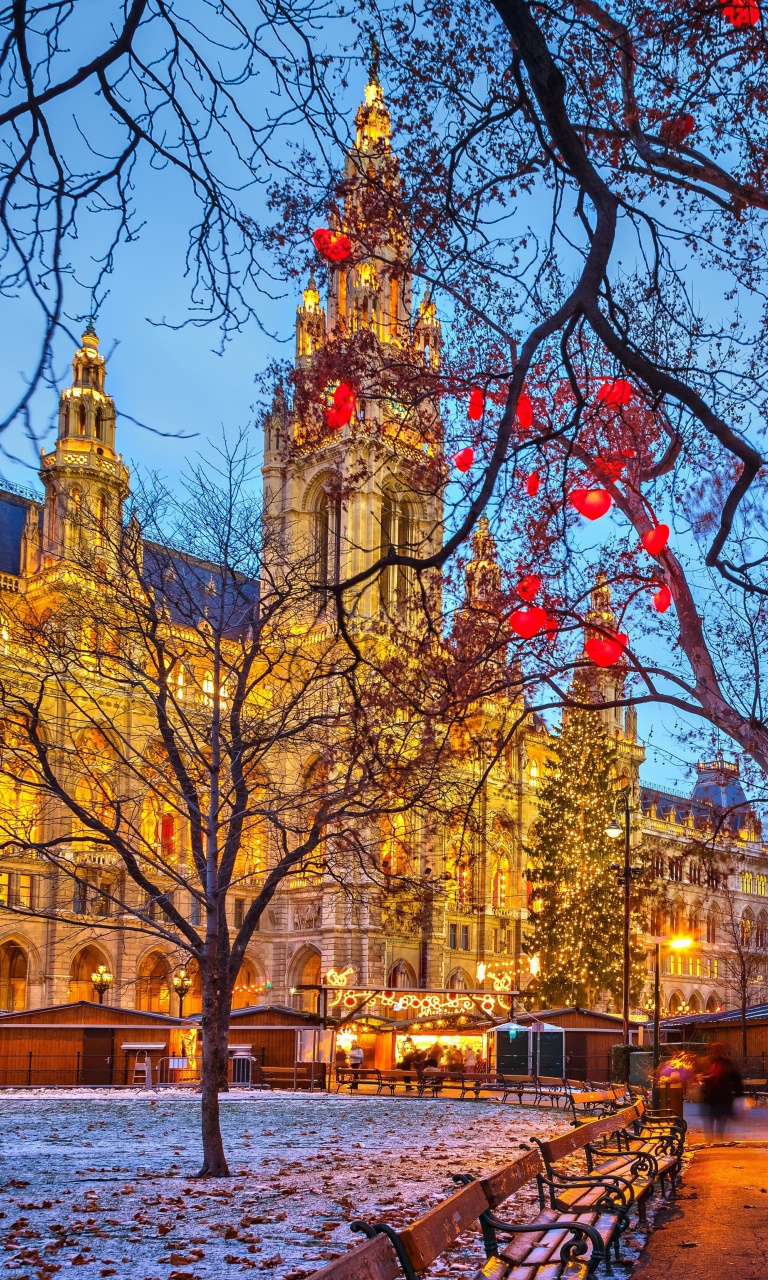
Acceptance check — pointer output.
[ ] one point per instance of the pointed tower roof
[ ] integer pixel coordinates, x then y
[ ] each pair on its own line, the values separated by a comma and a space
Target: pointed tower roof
483, 572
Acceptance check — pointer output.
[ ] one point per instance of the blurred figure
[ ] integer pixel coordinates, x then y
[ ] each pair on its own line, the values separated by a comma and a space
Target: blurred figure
355, 1061
720, 1085
470, 1061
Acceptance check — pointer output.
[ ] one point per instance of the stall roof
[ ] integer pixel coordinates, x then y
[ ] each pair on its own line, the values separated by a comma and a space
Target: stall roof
573, 1016
755, 1013
89, 1013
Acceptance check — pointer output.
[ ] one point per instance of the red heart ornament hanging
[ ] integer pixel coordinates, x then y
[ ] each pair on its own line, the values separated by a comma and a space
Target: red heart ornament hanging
532, 484
334, 246
476, 405
344, 403
615, 393
529, 587
592, 503
677, 130
463, 460
606, 652
741, 13
656, 539
528, 622
524, 411
662, 599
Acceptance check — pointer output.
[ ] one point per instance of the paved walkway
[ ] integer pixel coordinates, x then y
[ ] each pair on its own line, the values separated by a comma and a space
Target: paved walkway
717, 1228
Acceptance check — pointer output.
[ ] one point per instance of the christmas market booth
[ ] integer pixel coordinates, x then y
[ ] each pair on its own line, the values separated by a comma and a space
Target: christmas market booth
537, 1048
589, 1037
85, 1043
455, 1028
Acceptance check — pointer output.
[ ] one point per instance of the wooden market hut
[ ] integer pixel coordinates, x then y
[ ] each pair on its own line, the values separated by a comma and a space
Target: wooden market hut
85, 1043
589, 1038
702, 1028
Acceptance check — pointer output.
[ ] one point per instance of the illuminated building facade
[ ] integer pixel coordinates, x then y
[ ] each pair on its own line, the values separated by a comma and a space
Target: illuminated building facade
316, 505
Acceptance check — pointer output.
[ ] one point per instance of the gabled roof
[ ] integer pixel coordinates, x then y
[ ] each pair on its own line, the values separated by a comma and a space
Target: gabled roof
755, 1013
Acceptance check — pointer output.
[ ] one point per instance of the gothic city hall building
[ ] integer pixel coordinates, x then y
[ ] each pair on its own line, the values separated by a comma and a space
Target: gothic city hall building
339, 498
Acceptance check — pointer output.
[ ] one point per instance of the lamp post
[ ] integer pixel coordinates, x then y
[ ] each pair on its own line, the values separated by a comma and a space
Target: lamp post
675, 944
625, 874
181, 985
102, 980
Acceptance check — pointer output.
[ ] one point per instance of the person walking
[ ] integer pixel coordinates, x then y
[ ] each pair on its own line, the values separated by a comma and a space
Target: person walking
355, 1062
721, 1083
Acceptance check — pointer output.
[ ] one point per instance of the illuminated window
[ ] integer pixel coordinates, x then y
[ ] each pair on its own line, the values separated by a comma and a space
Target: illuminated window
761, 885
81, 419
533, 774
239, 912
746, 882
712, 923
397, 532
453, 935
327, 538
465, 937
5, 886
501, 883
208, 689
24, 891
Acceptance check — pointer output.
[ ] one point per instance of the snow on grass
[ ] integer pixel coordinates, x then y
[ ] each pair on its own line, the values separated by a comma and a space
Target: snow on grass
104, 1181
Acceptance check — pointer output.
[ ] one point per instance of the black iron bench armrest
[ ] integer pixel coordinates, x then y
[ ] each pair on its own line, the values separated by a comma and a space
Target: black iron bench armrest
611, 1185
576, 1247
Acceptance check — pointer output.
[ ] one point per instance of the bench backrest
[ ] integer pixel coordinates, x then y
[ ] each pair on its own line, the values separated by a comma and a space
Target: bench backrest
504, 1182
555, 1149
551, 1080
374, 1260
505, 1075
429, 1236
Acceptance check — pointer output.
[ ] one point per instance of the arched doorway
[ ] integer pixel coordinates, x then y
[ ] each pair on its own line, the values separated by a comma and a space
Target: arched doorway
306, 970
153, 984
13, 976
249, 984
84, 963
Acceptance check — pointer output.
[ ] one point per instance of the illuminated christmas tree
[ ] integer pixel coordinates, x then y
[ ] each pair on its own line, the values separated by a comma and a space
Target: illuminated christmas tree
575, 914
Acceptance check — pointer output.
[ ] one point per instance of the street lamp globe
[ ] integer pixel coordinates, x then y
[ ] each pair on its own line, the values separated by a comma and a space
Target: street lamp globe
102, 980
614, 830
181, 985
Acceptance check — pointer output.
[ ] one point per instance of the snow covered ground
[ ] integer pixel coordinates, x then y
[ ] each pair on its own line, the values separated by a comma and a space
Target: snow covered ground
103, 1180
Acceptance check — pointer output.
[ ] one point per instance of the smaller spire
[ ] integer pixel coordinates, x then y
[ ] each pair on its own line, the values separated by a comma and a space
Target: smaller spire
375, 59
90, 337
483, 572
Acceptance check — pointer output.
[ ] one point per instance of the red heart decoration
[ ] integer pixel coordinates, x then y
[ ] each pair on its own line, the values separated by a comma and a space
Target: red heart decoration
332, 245
592, 503
529, 587
463, 460
532, 484
344, 404
616, 392
662, 599
528, 622
524, 411
742, 13
656, 539
606, 652
476, 405
677, 130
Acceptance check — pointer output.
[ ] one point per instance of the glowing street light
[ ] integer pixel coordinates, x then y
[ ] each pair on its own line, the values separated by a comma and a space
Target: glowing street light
182, 984
102, 980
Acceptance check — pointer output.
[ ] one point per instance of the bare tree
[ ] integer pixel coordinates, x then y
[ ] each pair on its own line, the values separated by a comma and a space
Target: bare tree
182, 714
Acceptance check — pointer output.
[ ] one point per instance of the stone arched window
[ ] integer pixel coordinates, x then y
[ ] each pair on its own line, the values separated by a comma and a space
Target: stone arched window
401, 976
13, 976
747, 929
459, 980
395, 854
713, 920
714, 1003
248, 984
153, 984
761, 932
501, 882
326, 532
397, 532
84, 963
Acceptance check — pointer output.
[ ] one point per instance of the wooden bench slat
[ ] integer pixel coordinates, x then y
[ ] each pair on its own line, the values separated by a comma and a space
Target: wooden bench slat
374, 1260
431, 1234
501, 1184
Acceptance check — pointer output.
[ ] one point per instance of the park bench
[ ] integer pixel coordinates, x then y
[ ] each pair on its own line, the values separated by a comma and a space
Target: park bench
554, 1089
359, 1078
629, 1176
553, 1247
615, 1143
588, 1103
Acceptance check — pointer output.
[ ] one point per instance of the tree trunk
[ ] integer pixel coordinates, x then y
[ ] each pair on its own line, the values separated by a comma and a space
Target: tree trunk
214, 1160
744, 1033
